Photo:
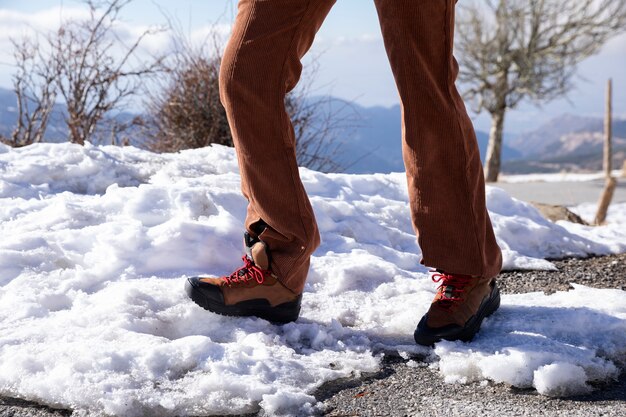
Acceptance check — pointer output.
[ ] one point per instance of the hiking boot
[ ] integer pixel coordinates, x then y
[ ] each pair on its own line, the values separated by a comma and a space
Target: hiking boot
252, 290
456, 313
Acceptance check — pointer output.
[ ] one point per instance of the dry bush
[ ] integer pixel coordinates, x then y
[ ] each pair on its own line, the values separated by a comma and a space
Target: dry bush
184, 110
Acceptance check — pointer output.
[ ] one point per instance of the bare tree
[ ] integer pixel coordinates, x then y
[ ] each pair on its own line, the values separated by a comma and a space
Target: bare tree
511, 50
88, 65
94, 68
33, 84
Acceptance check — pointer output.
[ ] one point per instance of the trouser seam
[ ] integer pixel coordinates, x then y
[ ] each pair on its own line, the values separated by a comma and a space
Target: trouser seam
447, 30
286, 119
241, 38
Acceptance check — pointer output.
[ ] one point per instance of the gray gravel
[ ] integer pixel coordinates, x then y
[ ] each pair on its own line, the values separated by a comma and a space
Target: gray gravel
598, 272
12, 407
403, 388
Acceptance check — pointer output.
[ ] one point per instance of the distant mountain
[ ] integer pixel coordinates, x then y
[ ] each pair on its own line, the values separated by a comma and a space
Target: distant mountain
536, 141
567, 143
374, 144
7, 111
370, 139
56, 130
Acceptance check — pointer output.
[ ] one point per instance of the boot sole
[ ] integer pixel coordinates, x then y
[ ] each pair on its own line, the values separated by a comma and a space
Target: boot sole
282, 313
427, 336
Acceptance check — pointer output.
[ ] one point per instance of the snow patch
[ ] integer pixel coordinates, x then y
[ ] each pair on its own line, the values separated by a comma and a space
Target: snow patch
561, 380
97, 242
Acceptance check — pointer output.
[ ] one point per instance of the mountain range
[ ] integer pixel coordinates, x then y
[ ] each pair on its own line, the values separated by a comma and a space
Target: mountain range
374, 145
369, 141
567, 143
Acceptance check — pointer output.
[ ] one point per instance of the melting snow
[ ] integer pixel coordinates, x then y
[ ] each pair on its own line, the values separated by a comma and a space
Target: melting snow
96, 242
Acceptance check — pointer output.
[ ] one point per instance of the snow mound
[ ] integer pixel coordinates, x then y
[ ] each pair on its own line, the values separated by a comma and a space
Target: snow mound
93, 316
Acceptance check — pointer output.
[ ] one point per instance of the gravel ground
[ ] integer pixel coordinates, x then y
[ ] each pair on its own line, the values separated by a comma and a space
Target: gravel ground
411, 388
12, 407
404, 388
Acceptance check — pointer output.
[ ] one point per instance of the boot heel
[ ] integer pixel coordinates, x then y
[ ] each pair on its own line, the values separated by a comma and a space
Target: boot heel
284, 313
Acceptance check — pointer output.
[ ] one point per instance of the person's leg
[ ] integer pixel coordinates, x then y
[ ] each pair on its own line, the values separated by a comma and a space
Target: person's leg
260, 65
444, 173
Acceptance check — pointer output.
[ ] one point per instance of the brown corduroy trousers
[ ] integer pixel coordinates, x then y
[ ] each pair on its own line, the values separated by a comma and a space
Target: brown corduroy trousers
262, 63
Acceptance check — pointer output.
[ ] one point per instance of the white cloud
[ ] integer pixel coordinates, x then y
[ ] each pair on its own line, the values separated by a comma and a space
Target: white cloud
161, 38
17, 25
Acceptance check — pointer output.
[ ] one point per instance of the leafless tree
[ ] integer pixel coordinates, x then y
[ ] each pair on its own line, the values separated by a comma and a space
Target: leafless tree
511, 50
33, 84
94, 70
89, 66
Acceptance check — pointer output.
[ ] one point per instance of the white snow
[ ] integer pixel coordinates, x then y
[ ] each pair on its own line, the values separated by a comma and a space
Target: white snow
554, 343
96, 242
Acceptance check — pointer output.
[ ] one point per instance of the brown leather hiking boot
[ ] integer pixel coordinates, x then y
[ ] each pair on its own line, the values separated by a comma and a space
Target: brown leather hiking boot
458, 309
252, 290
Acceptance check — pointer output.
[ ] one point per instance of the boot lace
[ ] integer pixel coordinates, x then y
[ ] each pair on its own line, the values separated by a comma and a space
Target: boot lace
451, 288
246, 273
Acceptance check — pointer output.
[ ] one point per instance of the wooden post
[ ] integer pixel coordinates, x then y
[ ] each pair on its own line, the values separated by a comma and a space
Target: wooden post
605, 201
608, 131
609, 186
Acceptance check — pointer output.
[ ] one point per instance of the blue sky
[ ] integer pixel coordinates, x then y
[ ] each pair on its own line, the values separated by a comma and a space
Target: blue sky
352, 60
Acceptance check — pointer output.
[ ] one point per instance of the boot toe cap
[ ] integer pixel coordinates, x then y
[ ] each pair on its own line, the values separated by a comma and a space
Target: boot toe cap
201, 292
427, 336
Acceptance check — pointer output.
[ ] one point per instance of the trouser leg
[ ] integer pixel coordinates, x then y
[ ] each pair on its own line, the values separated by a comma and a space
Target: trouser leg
444, 173
261, 64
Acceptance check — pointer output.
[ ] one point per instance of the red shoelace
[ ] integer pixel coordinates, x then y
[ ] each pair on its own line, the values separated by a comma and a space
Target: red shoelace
247, 272
451, 288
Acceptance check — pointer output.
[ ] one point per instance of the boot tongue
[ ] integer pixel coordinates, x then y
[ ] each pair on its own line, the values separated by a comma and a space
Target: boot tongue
258, 254
256, 250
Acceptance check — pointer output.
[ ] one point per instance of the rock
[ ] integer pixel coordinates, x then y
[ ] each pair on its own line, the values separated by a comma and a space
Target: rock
555, 213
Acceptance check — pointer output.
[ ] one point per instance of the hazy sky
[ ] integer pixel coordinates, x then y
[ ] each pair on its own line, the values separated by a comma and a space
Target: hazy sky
352, 60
